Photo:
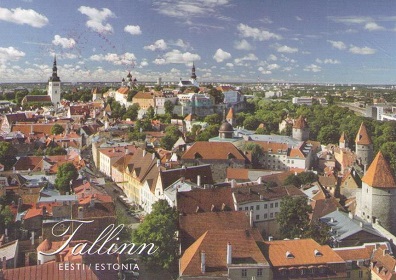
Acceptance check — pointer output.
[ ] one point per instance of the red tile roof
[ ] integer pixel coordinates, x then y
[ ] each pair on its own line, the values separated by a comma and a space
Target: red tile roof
379, 174
48, 271
300, 123
362, 137
213, 151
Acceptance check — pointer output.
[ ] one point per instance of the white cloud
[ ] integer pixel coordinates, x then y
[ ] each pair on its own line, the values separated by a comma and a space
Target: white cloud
125, 59
144, 63
255, 33
272, 57
176, 56
249, 57
221, 55
179, 43
313, 68
298, 18
350, 19
362, 50
273, 66
133, 29
10, 53
66, 43
22, 16
264, 71
229, 65
372, 26
158, 45
97, 19
327, 61
186, 9
337, 44
243, 45
286, 49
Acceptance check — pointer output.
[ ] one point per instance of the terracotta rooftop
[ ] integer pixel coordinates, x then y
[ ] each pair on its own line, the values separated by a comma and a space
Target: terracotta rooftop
298, 252
205, 200
213, 151
362, 137
384, 264
230, 114
238, 173
300, 123
363, 252
214, 244
379, 174
262, 192
190, 173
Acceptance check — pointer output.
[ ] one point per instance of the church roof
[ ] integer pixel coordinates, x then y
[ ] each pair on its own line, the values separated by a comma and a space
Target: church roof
362, 137
230, 114
343, 137
300, 123
226, 127
379, 174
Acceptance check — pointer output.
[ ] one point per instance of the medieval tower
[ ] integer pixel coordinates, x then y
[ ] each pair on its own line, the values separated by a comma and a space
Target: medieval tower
300, 129
54, 85
364, 146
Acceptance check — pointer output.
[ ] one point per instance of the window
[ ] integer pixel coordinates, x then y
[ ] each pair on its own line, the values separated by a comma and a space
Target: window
271, 205
271, 215
265, 206
246, 208
259, 272
360, 274
244, 272
276, 204
265, 216
240, 208
348, 274
257, 207
251, 207
257, 217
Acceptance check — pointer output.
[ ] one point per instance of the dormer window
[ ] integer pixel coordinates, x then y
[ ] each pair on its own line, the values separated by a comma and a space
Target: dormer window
317, 253
289, 255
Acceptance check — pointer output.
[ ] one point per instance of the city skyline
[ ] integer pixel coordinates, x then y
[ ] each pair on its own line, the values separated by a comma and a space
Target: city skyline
228, 40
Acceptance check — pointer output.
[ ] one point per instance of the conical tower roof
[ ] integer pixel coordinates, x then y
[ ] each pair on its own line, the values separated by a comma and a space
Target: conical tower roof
362, 137
380, 174
300, 123
230, 114
343, 138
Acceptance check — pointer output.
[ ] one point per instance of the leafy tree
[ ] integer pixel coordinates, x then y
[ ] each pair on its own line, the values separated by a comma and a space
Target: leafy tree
293, 218
132, 112
57, 129
53, 151
389, 152
168, 141
169, 106
251, 123
7, 154
6, 217
159, 227
301, 179
209, 132
143, 125
256, 152
217, 95
150, 112
66, 173
213, 119
328, 134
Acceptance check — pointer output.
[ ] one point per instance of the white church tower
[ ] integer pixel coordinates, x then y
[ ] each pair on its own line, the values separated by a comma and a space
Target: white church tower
54, 86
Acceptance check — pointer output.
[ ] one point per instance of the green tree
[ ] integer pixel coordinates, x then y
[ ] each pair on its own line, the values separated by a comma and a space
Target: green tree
132, 112
57, 129
6, 217
213, 119
150, 112
256, 151
301, 179
169, 106
328, 134
66, 173
54, 151
293, 218
251, 123
389, 152
7, 154
159, 227
217, 95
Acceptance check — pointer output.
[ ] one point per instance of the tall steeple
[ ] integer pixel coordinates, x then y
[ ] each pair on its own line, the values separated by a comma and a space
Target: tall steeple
193, 75
364, 146
54, 77
54, 85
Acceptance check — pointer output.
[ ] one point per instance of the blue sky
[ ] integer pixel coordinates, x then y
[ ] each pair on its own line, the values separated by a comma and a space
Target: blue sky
322, 41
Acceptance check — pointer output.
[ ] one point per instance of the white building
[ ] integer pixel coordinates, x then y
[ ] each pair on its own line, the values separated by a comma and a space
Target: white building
304, 100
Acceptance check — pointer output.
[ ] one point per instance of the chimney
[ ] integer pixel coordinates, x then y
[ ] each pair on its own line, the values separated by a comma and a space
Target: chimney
251, 218
126, 151
199, 180
229, 253
270, 238
19, 204
4, 263
259, 180
32, 238
233, 183
350, 215
144, 153
203, 261
361, 224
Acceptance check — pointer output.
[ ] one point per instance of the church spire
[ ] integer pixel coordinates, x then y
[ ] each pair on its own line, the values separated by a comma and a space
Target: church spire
54, 77
193, 75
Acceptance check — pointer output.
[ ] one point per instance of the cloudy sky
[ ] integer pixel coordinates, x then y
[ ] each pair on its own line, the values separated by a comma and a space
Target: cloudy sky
327, 41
